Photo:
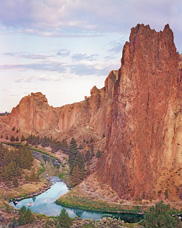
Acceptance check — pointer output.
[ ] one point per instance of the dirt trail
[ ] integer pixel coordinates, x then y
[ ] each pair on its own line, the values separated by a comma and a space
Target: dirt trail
126, 202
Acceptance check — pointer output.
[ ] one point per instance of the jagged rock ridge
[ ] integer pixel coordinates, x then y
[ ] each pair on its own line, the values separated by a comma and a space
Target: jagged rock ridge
139, 110
145, 126
33, 115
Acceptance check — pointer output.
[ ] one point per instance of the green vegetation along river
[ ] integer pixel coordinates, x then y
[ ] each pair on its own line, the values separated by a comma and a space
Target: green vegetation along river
45, 203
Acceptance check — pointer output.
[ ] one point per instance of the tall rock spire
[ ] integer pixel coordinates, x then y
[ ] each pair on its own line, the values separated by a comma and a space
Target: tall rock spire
138, 146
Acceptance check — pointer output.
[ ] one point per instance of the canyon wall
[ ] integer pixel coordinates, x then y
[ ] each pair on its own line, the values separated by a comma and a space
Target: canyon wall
144, 132
139, 110
33, 115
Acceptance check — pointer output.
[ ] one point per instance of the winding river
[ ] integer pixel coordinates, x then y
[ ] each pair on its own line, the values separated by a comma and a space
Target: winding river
45, 202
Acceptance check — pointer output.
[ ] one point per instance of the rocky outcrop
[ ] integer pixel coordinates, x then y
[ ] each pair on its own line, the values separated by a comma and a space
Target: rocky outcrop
33, 115
145, 126
90, 113
139, 110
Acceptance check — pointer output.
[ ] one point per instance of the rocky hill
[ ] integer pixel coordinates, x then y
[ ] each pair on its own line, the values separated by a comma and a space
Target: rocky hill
144, 133
139, 111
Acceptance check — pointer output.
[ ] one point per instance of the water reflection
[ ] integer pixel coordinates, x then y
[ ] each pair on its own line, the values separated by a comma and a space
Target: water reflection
78, 213
45, 202
34, 198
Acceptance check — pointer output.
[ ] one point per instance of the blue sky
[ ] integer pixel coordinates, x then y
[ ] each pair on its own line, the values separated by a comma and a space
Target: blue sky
63, 48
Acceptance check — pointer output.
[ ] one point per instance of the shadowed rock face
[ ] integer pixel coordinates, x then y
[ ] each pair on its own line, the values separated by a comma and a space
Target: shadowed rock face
145, 128
139, 110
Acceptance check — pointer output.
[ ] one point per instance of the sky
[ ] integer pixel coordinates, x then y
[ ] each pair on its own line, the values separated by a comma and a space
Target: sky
63, 48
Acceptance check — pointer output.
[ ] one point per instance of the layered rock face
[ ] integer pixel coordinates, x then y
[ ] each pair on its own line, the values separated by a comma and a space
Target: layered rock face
144, 133
92, 112
139, 110
33, 115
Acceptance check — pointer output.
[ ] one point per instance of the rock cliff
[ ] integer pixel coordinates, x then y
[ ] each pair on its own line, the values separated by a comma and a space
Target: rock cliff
139, 110
33, 115
144, 132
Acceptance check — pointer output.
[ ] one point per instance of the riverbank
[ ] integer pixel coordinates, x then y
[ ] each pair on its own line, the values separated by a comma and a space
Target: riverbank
93, 196
24, 190
78, 198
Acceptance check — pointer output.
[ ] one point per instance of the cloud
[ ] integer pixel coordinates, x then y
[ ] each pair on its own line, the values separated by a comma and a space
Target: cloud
80, 69
116, 47
38, 66
80, 57
63, 52
38, 78
28, 56
88, 15
85, 69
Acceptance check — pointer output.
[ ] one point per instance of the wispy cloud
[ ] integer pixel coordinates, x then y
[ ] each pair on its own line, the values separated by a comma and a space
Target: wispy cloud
78, 69
80, 57
85, 69
28, 56
38, 66
104, 15
63, 52
116, 47
40, 78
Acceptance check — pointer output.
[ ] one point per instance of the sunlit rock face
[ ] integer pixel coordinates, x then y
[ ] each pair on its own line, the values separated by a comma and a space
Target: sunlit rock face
92, 112
144, 128
33, 115
139, 110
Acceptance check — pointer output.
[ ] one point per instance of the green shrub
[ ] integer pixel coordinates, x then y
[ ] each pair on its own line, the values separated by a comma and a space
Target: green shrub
15, 182
160, 215
64, 221
98, 155
26, 216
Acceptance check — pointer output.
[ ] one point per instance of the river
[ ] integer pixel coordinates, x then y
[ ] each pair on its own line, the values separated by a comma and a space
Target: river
45, 202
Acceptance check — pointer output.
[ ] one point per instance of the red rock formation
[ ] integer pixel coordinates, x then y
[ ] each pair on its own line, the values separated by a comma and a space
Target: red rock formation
33, 115
139, 110
145, 126
90, 113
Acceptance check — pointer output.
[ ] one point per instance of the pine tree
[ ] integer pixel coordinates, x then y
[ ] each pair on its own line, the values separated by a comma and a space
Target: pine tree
29, 217
33, 175
160, 215
26, 216
15, 182
98, 155
72, 154
26, 157
76, 163
12, 138
64, 221
87, 156
91, 140
22, 138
